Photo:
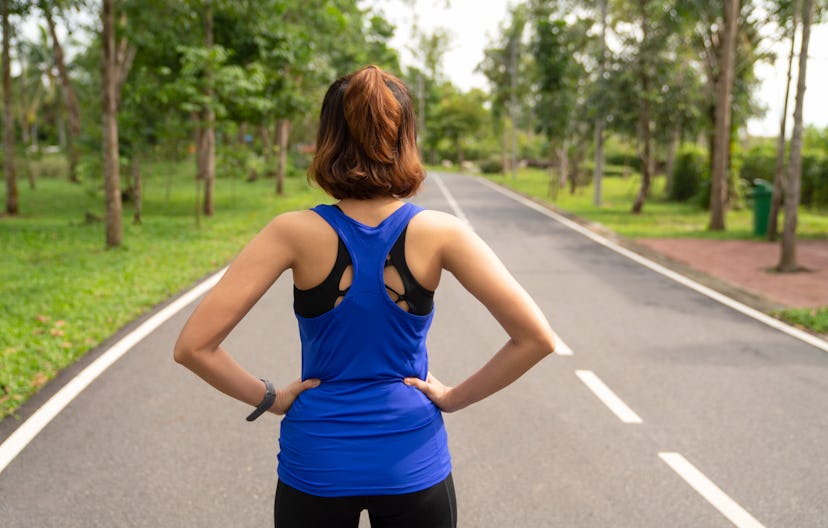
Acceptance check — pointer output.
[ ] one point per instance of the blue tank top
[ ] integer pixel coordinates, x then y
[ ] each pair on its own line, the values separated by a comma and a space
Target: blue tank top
363, 431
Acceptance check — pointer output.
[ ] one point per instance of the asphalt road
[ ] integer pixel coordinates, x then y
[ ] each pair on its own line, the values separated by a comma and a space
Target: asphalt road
148, 444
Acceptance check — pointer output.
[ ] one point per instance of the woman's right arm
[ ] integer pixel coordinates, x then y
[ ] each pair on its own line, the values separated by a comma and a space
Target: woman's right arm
481, 272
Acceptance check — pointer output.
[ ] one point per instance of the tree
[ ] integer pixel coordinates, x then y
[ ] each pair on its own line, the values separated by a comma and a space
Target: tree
504, 67
69, 97
718, 178
558, 78
598, 171
458, 116
787, 257
206, 138
116, 65
12, 198
778, 177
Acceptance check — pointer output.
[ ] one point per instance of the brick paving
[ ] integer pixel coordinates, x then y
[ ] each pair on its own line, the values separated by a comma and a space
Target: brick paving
748, 265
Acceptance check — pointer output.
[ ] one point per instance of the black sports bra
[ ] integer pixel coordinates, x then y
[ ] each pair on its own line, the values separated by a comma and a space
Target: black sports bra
322, 297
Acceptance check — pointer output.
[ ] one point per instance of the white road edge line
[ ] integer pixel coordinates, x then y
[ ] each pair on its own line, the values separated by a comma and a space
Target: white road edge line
458, 212
707, 489
29, 429
658, 268
600, 389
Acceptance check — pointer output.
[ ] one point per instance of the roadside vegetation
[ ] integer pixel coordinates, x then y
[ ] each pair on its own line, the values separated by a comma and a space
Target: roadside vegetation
665, 218
143, 142
64, 293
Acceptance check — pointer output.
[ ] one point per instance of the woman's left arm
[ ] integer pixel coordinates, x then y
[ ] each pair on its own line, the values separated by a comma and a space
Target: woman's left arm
249, 276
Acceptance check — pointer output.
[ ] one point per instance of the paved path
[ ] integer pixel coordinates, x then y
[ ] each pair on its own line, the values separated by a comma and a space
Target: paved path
701, 387
749, 265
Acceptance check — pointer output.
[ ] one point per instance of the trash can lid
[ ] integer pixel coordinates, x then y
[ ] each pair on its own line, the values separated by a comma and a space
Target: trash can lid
763, 185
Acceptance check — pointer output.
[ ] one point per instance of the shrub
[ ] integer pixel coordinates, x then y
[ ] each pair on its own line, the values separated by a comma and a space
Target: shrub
491, 166
690, 173
758, 163
814, 180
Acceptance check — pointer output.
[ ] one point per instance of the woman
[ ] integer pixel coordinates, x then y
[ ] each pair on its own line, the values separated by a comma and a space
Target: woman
363, 427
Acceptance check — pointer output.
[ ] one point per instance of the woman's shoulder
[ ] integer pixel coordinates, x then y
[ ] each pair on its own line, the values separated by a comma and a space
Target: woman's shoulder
438, 223
298, 225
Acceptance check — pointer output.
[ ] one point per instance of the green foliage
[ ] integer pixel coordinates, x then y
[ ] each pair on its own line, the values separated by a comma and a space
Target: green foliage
491, 166
814, 318
621, 153
70, 294
661, 219
759, 163
690, 172
815, 179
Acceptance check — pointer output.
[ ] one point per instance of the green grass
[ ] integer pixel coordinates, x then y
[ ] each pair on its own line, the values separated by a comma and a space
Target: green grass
63, 293
814, 318
659, 219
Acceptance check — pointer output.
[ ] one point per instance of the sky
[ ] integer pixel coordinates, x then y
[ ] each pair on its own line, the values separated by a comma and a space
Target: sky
473, 23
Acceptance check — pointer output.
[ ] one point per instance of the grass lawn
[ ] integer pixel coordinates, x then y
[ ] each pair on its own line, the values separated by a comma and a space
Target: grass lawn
659, 219
63, 293
663, 219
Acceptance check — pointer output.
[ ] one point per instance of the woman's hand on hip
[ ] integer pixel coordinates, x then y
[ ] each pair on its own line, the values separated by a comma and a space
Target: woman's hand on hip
287, 395
434, 390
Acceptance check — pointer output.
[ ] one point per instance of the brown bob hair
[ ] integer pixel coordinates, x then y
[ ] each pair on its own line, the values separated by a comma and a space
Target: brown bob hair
366, 146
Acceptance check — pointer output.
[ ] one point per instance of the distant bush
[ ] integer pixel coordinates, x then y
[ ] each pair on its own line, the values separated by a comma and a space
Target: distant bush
690, 173
814, 180
758, 163
621, 154
491, 166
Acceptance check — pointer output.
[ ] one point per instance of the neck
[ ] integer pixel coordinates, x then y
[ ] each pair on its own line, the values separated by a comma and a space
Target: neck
371, 211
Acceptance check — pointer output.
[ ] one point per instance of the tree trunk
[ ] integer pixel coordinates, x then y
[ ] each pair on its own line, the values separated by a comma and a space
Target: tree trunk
208, 134
719, 169
72, 106
112, 181
284, 131
12, 198
421, 113
645, 153
671, 159
598, 171
787, 258
779, 175
563, 165
644, 118
136, 186
552, 183
267, 148
504, 156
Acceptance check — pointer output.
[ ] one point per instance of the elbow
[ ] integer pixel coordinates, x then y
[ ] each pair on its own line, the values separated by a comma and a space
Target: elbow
544, 343
183, 355
539, 345
547, 344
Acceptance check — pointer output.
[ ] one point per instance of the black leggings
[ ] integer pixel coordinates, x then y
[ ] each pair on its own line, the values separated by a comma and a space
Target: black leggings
434, 507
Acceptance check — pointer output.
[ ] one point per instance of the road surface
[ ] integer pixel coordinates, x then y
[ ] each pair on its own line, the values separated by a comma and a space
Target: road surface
673, 409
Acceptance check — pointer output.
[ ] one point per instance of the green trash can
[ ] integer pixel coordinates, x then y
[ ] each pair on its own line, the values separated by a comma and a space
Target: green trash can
762, 192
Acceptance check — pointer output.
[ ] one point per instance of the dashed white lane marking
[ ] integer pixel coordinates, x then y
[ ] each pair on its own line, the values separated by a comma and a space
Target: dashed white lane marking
458, 212
710, 491
29, 429
658, 268
600, 389
561, 348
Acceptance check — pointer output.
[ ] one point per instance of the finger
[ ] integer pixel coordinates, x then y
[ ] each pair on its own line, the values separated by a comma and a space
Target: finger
311, 383
416, 382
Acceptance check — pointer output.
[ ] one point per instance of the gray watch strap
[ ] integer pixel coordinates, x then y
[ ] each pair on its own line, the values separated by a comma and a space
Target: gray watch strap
267, 401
